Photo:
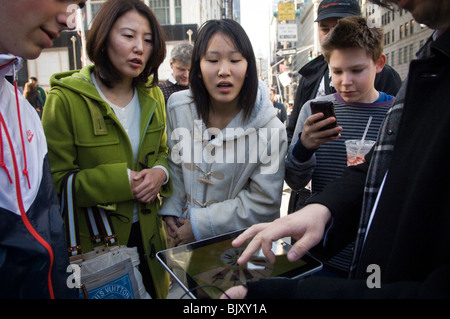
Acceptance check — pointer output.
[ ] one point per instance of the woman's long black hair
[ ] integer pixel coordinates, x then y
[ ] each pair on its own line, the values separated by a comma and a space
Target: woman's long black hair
248, 93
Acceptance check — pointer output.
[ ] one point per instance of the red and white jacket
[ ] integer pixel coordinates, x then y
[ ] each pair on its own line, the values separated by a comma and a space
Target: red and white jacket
33, 256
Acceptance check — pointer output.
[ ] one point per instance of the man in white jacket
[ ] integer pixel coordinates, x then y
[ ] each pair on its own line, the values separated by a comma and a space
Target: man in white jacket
33, 256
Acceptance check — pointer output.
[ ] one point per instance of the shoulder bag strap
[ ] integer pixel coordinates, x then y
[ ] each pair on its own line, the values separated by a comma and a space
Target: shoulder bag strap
69, 213
105, 226
99, 222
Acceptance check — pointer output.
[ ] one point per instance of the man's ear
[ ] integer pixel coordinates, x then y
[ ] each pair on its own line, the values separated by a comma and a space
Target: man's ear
381, 62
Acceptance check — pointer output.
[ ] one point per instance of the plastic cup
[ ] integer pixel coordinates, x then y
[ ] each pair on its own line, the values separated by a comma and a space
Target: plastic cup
356, 150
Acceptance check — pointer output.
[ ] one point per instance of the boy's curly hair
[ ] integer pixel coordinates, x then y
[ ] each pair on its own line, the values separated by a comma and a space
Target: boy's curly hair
353, 32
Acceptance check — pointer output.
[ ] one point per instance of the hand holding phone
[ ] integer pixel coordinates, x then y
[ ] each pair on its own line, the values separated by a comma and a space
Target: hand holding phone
312, 137
327, 108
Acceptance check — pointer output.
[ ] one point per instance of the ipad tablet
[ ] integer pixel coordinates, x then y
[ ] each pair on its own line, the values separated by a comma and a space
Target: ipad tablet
207, 268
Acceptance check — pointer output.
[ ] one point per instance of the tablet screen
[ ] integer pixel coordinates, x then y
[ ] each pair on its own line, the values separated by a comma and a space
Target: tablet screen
207, 268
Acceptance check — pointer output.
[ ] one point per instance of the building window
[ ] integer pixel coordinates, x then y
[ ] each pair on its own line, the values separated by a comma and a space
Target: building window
411, 52
95, 6
401, 31
400, 56
178, 11
406, 28
405, 55
393, 39
411, 31
392, 58
387, 58
161, 9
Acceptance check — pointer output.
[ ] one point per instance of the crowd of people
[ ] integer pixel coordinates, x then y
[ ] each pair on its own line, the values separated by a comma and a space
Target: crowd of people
208, 151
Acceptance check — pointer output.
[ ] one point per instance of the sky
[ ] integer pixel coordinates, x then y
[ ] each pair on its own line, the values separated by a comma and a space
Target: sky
256, 16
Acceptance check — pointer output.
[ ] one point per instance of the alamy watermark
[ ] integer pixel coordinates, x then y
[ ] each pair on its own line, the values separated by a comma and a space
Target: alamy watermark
374, 279
232, 145
74, 279
72, 15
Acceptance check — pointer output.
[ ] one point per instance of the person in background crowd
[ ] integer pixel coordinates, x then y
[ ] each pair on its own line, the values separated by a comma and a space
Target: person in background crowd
107, 121
180, 63
41, 91
279, 107
33, 96
33, 254
289, 109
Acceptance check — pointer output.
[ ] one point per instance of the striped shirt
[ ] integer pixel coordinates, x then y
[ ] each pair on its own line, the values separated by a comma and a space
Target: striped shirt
329, 161
169, 87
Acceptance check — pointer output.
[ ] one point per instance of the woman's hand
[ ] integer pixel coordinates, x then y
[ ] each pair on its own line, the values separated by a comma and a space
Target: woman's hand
172, 226
184, 232
146, 184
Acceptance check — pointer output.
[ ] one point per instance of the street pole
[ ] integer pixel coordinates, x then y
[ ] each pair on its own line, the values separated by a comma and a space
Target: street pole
74, 39
82, 34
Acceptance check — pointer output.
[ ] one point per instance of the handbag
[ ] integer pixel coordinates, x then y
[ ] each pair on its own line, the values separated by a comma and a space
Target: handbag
110, 271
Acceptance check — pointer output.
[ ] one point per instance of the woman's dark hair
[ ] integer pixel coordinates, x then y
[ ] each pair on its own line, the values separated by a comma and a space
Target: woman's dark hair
98, 37
236, 33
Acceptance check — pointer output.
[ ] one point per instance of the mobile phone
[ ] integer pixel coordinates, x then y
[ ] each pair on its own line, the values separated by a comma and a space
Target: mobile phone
327, 108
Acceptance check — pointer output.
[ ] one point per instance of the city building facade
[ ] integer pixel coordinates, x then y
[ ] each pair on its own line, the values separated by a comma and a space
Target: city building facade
403, 37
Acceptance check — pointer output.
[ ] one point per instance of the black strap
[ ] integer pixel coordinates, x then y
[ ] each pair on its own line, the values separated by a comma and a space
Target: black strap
104, 223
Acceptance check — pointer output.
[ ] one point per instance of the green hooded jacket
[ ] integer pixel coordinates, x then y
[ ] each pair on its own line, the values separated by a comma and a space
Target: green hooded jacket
83, 133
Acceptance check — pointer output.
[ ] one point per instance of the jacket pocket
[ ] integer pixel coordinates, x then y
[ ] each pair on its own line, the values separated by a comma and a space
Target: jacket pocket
85, 136
98, 149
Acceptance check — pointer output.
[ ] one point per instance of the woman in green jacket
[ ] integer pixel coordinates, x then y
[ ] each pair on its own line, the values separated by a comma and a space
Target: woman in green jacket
108, 122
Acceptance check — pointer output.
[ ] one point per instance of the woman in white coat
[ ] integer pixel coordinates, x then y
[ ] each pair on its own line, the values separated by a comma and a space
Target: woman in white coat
227, 146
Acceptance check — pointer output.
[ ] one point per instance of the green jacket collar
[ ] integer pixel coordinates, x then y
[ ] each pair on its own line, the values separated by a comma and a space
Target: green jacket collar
80, 81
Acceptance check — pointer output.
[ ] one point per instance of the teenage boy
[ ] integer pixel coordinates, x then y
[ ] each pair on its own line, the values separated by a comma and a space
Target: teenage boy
315, 77
33, 254
355, 56
315, 80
